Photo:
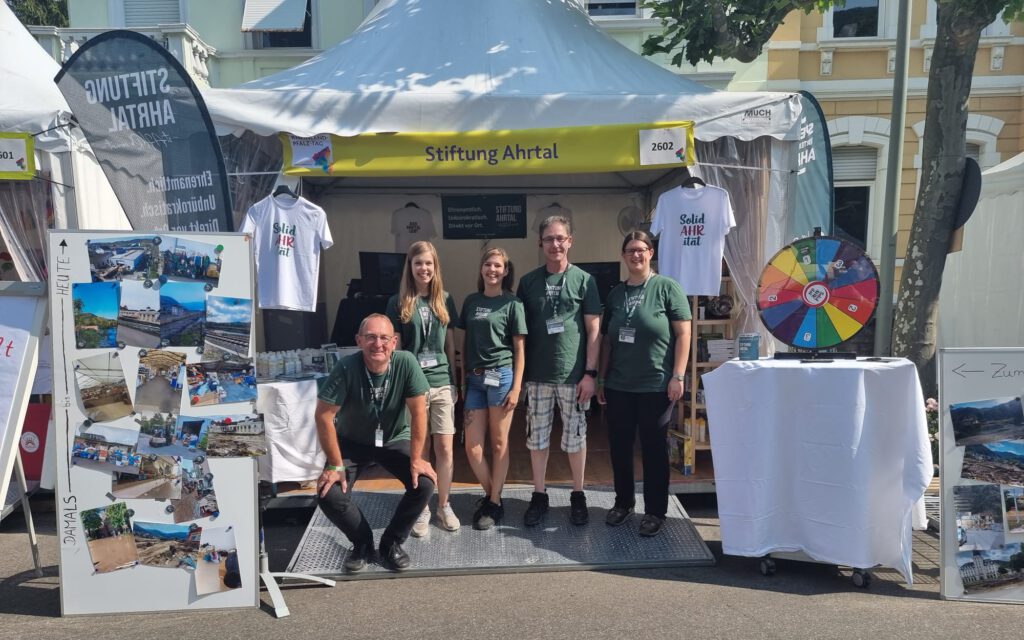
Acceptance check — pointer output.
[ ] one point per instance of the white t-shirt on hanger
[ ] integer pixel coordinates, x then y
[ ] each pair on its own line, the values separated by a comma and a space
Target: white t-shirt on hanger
693, 224
288, 235
410, 224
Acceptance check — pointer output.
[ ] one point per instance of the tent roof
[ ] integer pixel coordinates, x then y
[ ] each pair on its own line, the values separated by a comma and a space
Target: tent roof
1004, 178
467, 65
30, 101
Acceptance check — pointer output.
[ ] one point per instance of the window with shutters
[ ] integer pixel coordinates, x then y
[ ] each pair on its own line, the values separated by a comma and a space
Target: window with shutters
854, 169
600, 9
278, 23
149, 13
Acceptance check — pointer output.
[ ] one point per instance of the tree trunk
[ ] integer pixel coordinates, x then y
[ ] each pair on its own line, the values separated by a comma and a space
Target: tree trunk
949, 86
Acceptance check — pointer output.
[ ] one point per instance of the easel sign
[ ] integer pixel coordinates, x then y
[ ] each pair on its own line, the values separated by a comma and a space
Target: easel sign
156, 489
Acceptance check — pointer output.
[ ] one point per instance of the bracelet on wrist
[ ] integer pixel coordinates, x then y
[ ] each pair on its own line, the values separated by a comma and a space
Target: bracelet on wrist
331, 467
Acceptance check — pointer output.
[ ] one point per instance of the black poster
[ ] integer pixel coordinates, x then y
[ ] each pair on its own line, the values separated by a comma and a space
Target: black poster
483, 217
150, 131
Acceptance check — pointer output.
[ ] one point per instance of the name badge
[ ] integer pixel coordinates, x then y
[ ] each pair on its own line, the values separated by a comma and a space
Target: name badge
378, 437
492, 378
627, 335
555, 326
427, 359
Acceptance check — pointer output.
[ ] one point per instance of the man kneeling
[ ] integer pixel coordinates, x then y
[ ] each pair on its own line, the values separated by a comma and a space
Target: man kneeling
362, 416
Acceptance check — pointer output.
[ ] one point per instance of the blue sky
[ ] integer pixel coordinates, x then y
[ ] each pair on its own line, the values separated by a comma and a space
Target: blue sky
190, 295
99, 298
220, 309
1016, 447
1002, 553
168, 243
165, 528
983, 404
136, 297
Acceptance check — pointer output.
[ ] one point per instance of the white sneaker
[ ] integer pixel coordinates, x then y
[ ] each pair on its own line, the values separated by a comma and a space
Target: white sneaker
447, 518
422, 527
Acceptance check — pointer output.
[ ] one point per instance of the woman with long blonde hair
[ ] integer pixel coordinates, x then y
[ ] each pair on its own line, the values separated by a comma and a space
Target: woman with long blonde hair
424, 317
493, 356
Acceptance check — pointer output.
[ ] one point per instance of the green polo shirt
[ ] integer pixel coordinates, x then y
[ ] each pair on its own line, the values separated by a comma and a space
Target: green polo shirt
568, 296
490, 324
416, 341
348, 387
644, 365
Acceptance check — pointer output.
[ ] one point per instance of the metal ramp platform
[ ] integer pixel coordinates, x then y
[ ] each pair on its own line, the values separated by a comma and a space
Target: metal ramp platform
553, 545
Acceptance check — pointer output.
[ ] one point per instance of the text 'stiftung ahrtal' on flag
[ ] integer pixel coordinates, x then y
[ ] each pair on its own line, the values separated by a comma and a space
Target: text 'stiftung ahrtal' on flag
150, 131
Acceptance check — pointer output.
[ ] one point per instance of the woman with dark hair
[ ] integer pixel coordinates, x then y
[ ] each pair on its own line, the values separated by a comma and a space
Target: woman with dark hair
644, 349
493, 357
424, 317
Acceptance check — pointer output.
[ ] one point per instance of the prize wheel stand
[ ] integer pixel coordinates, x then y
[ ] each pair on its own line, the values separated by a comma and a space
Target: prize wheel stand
815, 294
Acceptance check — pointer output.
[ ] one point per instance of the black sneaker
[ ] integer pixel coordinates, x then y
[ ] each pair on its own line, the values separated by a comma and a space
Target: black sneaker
393, 556
538, 507
651, 525
578, 513
617, 515
358, 556
488, 515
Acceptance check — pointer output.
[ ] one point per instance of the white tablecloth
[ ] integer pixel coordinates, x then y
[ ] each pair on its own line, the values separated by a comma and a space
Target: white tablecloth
288, 410
826, 458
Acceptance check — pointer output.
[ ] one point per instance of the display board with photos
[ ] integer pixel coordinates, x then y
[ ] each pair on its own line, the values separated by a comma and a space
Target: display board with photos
157, 433
982, 467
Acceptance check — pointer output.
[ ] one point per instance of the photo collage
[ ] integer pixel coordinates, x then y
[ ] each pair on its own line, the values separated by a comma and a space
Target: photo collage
154, 297
990, 503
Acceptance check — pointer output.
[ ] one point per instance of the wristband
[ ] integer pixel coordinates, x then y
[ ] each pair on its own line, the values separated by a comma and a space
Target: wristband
332, 467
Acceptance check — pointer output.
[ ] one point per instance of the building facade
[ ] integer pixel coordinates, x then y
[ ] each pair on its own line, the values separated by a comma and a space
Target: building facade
845, 57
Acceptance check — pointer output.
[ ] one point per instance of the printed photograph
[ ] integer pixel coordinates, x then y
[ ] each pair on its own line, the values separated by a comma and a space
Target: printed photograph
998, 572
228, 324
108, 534
168, 435
138, 319
182, 314
96, 305
983, 421
236, 437
136, 258
189, 261
995, 462
198, 499
1013, 498
218, 561
158, 478
102, 387
167, 545
105, 448
979, 516
221, 382
158, 384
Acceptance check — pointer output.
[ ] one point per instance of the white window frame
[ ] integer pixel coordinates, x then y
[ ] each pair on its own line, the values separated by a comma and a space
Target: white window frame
314, 31
981, 130
866, 131
998, 28
115, 12
639, 12
887, 16
872, 186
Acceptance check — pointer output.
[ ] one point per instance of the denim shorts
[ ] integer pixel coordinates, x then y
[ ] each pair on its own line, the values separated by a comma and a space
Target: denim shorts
480, 396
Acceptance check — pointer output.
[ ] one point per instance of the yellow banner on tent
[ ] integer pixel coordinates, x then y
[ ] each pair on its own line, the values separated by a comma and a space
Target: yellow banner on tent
17, 156
591, 149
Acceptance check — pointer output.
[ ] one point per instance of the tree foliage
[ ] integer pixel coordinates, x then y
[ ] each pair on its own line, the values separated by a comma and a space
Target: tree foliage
52, 13
701, 30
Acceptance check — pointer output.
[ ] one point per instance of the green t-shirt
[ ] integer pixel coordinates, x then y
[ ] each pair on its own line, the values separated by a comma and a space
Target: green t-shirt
645, 365
490, 324
568, 296
347, 386
432, 341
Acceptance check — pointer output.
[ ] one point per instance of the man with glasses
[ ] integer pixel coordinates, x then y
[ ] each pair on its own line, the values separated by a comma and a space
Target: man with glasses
362, 417
563, 312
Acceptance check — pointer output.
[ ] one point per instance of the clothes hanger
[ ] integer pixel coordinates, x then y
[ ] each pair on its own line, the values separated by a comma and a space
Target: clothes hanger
283, 189
412, 204
692, 182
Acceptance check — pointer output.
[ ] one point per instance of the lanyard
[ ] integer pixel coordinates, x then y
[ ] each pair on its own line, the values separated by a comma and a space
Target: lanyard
426, 320
556, 301
637, 299
378, 406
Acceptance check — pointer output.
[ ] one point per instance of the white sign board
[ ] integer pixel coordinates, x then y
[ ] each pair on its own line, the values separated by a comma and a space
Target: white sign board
21, 322
140, 492
982, 463
663, 146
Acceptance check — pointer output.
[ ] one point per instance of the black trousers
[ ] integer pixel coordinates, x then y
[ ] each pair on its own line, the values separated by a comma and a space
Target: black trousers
394, 457
629, 414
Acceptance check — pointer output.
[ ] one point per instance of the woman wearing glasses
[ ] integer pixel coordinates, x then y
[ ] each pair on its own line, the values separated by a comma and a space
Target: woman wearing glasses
492, 353
424, 317
644, 349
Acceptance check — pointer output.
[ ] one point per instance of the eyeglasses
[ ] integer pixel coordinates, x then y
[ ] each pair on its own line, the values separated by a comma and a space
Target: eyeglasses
373, 337
639, 251
555, 239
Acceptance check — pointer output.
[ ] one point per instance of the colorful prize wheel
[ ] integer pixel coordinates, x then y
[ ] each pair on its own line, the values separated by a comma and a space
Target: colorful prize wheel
817, 292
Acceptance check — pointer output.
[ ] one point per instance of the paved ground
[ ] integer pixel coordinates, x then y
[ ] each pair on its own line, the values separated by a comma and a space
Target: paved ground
730, 600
